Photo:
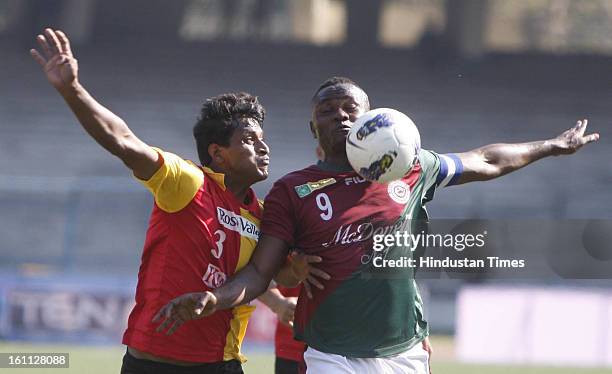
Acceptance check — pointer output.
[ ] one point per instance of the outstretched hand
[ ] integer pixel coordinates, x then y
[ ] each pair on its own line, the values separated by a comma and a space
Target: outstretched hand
56, 59
185, 308
573, 139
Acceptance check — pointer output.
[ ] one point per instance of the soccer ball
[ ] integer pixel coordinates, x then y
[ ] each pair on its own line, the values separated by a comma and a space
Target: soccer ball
383, 145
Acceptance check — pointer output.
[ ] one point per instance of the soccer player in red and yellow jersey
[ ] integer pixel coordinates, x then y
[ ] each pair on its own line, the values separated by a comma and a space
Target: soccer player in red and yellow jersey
205, 221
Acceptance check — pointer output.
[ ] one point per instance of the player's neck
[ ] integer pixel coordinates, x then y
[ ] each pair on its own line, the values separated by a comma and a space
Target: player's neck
239, 189
237, 186
337, 162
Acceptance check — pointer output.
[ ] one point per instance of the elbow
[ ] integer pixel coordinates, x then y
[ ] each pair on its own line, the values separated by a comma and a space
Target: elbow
124, 146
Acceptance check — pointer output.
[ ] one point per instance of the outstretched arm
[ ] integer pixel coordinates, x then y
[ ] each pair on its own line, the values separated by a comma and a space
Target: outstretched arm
495, 160
250, 282
110, 131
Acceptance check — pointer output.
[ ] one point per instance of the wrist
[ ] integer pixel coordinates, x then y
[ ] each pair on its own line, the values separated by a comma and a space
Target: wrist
551, 147
276, 306
70, 90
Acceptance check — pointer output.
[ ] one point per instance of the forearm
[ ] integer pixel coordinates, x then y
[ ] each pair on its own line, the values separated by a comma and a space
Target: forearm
253, 279
106, 128
495, 160
271, 298
510, 157
245, 286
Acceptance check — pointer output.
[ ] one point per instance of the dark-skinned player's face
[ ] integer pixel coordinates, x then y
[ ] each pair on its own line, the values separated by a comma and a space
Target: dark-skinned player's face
335, 108
247, 156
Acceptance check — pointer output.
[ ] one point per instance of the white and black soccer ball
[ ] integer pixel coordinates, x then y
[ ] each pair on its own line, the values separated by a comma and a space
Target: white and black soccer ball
383, 145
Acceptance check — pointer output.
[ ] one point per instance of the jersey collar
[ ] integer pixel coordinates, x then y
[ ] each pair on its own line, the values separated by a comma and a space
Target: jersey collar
326, 166
219, 178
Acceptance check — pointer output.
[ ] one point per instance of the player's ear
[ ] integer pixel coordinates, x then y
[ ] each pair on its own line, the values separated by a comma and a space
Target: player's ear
216, 153
314, 130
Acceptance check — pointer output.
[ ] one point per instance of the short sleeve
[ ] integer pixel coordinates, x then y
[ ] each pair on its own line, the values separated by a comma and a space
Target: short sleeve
440, 170
279, 217
175, 184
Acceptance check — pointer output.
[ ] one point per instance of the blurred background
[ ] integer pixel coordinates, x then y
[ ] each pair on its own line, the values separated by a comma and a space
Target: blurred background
468, 72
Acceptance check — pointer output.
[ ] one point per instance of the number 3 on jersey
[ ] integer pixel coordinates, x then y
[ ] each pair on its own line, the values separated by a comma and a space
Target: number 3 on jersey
325, 205
217, 252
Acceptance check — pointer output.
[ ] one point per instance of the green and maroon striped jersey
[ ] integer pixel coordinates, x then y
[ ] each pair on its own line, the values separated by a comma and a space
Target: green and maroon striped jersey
364, 311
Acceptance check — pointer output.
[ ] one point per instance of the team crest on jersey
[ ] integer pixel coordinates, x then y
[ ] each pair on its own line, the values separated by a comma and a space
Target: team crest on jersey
238, 223
380, 120
399, 191
304, 190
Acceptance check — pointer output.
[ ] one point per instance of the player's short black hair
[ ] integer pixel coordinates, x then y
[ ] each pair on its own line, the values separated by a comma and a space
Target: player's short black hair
220, 116
340, 80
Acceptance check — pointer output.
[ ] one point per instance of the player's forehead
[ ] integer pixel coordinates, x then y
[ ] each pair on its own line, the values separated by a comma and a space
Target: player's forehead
339, 93
248, 126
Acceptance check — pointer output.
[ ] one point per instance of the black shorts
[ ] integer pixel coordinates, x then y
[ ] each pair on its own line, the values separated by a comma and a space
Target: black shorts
133, 365
284, 366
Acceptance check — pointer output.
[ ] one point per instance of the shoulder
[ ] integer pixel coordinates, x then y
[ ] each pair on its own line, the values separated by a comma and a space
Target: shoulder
174, 163
176, 182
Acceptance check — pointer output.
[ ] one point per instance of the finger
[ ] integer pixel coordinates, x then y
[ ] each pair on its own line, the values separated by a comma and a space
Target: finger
315, 282
38, 58
64, 42
589, 139
159, 314
199, 309
45, 46
53, 41
307, 289
319, 273
164, 325
178, 323
581, 126
312, 259
201, 305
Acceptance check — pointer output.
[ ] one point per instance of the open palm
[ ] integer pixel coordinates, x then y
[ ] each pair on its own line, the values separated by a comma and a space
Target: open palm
56, 59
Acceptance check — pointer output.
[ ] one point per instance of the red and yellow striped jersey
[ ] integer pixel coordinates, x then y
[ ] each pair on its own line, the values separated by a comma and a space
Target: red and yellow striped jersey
199, 234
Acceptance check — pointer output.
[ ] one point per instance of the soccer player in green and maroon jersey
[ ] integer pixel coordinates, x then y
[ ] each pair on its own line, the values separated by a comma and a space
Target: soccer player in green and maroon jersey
362, 321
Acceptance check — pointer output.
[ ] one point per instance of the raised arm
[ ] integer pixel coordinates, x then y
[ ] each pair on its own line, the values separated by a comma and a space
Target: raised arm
110, 131
244, 286
495, 160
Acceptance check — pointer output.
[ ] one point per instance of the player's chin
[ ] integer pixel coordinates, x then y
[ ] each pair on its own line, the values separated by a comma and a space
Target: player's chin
262, 172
